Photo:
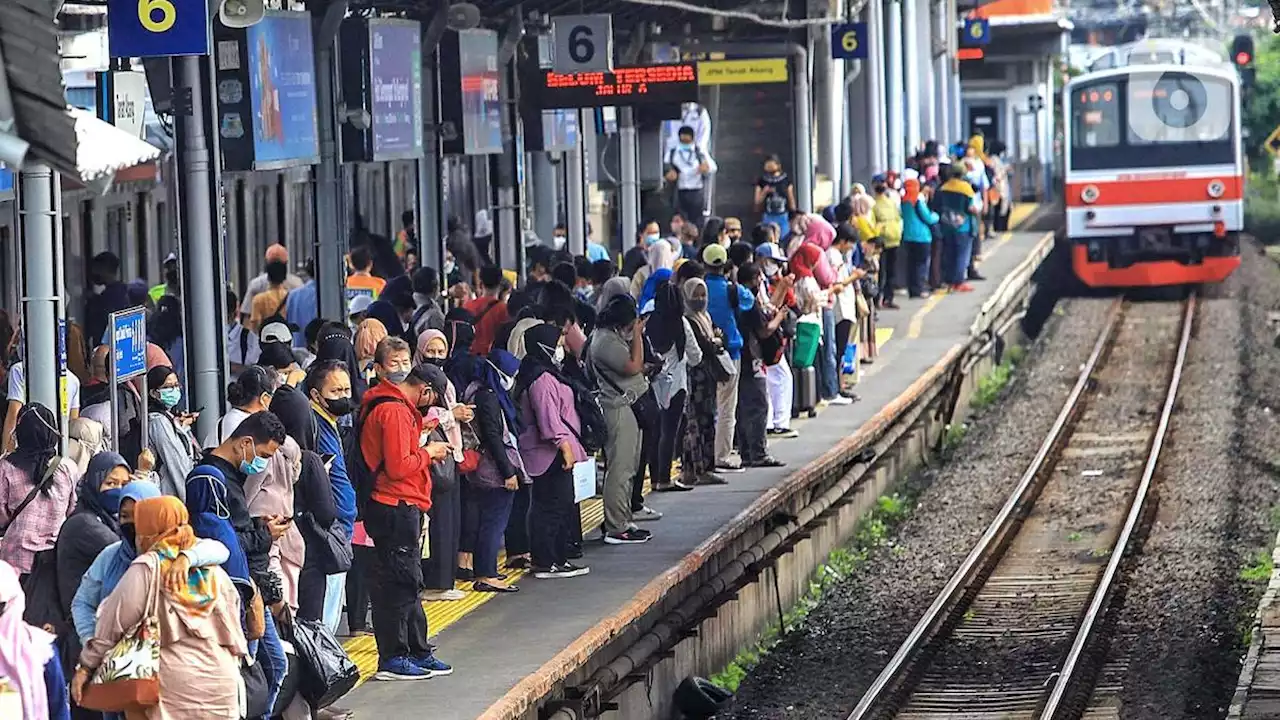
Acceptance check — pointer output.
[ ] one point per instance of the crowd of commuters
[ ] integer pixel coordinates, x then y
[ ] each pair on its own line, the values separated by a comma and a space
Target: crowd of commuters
439, 435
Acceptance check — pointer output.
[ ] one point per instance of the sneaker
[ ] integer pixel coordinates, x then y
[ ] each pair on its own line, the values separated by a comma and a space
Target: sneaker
890, 305
400, 668
518, 563
962, 287
768, 461
976, 276
464, 573
450, 595
782, 433
566, 570
712, 479
840, 400
627, 537
727, 468
646, 514
431, 665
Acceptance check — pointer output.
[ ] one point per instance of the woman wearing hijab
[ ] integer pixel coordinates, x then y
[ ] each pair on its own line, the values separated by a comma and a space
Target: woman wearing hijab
111, 563
270, 493
661, 256
384, 312
549, 447
697, 451
672, 338
200, 637
612, 287
498, 477
169, 432
651, 286
93, 525
34, 471
369, 333
334, 344
917, 236
29, 662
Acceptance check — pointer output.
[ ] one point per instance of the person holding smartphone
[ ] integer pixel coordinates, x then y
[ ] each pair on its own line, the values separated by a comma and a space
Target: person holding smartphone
169, 431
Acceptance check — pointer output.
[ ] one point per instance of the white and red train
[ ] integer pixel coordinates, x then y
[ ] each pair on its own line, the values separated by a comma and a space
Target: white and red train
1154, 166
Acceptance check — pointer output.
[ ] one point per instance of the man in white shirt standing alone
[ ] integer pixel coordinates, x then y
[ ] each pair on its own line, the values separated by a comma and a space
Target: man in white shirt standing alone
688, 168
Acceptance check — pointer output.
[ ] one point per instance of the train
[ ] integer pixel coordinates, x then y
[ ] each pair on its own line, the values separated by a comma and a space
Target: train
1154, 167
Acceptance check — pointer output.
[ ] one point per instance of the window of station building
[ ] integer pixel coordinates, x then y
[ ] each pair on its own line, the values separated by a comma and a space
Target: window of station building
1095, 116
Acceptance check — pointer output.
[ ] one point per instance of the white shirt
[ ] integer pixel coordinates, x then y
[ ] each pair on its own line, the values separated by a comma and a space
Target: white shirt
225, 427
686, 163
251, 350
18, 387
695, 117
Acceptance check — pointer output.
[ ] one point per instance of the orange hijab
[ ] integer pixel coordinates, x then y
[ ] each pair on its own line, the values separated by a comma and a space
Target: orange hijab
162, 527
911, 191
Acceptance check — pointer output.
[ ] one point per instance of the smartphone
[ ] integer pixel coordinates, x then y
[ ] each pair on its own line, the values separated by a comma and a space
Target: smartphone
328, 458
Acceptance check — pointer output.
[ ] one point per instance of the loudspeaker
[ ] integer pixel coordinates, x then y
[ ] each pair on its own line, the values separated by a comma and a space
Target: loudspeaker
241, 13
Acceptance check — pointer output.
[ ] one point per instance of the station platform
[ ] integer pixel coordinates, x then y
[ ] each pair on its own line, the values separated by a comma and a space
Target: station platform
507, 651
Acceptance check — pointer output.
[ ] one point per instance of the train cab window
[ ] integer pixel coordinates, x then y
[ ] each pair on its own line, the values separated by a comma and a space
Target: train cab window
1095, 116
1177, 107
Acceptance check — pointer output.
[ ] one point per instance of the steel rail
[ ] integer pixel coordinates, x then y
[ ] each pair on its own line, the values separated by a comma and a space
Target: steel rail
1098, 603
942, 604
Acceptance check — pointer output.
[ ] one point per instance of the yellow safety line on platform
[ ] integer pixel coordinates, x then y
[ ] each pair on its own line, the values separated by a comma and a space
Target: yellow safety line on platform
882, 337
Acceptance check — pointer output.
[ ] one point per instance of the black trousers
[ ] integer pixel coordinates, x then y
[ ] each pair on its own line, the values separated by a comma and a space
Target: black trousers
692, 204
551, 522
844, 329
753, 413
917, 266
311, 587
888, 273
444, 532
650, 435
359, 581
516, 539
669, 438
399, 622
935, 261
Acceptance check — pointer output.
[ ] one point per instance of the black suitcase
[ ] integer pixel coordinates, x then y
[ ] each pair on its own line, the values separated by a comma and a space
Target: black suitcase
804, 398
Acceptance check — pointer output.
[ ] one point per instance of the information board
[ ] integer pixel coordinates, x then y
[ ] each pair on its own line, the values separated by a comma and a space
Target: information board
624, 86
282, 91
157, 28
129, 343
395, 88
6, 183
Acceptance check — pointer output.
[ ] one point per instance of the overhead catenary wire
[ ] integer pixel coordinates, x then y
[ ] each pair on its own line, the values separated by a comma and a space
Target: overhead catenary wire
747, 15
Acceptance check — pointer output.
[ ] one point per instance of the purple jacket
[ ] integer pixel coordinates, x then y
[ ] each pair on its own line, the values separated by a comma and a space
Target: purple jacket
550, 418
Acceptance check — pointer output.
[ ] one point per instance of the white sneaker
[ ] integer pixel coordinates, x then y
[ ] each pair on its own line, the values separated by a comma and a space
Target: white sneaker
840, 400
645, 514
450, 595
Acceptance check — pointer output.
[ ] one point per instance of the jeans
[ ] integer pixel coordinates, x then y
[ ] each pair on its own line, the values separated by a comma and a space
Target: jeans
726, 414
271, 655
781, 390
551, 515
753, 412
668, 437
959, 246
493, 508
399, 622
888, 274
623, 448
827, 368
333, 596
917, 266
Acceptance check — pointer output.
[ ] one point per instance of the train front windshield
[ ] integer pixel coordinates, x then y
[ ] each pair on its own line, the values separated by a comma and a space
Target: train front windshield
1152, 120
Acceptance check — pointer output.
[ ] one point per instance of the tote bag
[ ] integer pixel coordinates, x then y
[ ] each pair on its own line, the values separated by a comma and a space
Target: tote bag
128, 678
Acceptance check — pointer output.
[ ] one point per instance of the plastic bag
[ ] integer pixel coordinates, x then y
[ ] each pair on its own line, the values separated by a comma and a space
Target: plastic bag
327, 672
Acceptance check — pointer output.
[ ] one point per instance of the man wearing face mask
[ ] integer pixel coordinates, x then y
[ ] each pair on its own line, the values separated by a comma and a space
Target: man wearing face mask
595, 251
106, 295
391, 430
328, 387
688, 167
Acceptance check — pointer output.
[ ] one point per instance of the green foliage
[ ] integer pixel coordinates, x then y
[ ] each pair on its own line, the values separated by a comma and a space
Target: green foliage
1258, 571
1262, 206
955, 436
872, 532
1262, 111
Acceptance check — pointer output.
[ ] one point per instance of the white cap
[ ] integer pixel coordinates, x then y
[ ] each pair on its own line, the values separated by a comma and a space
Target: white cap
359, 304
276, 332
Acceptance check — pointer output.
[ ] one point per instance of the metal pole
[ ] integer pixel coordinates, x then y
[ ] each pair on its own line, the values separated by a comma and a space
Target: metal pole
430, 224
893, 76
925, 36
803, 131
825, 113
40, 301
909, 39
331, 273
942, 76
957, 115
545, 216
114, 397
508, 239
875, 87
1050, 70
201, 289
630, 174
576, 200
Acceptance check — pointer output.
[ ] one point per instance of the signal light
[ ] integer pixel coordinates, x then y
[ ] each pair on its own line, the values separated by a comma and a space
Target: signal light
1242, 50
1243, 58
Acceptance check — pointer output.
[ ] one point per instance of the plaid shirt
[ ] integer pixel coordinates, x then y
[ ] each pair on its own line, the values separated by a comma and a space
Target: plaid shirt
36, 527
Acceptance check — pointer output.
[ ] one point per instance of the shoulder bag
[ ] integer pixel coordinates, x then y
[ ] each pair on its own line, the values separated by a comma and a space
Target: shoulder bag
128, 678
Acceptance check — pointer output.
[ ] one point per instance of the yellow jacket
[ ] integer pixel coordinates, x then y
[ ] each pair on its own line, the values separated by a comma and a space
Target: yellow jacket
867, 228
888, 213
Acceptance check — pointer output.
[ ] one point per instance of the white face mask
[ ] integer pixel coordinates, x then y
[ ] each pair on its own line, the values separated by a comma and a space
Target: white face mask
506, 380
558, 356
771, 269
97, 289
448, 267
557, 242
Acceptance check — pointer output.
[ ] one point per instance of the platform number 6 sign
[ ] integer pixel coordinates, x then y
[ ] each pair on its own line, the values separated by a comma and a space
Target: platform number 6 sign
583, 43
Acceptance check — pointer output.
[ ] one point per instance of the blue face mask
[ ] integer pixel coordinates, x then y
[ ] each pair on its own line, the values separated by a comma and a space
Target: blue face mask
687, 147
170, 396
255, 466
111, 500
651, 239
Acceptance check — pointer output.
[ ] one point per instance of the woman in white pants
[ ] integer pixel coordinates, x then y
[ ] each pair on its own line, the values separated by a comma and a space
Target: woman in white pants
777, 376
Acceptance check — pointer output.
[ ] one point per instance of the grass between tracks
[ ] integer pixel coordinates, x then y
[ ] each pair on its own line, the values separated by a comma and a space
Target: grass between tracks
874, 531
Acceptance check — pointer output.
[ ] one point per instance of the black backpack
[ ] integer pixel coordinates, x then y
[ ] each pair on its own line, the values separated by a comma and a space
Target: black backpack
594, 431
358, 471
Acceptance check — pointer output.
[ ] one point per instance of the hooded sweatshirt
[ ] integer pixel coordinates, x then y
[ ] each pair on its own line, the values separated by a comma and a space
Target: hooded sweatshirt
389, 441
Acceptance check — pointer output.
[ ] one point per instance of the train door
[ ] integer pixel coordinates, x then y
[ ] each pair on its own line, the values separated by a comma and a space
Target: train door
404, 191
984, 117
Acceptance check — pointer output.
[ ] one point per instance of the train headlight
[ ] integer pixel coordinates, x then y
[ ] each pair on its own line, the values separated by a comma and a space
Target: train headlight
1216, 189
1089, 194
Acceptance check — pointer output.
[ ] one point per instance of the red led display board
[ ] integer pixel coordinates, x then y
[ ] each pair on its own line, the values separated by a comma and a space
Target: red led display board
625, 86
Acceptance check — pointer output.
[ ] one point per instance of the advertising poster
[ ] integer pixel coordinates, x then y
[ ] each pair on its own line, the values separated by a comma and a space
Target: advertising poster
395, 81
481, 103
282, 91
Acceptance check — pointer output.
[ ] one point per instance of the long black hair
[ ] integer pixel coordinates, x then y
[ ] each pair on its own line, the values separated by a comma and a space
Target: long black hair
38, 437
666, 326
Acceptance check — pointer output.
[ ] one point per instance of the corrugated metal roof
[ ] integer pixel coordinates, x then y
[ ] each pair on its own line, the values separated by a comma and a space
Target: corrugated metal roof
103, 148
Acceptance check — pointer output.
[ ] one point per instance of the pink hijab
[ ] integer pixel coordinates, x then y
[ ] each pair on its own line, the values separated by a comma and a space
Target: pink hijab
442, 415
819, 232
24, 650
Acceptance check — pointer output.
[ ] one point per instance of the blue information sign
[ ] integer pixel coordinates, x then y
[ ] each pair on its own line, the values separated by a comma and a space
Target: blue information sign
977, 31
849, 41
6, 183
157, 28
129, 342
283, 91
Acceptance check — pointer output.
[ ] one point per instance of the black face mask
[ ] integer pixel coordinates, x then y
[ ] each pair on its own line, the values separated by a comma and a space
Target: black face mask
438, 362
130, 533
339, 407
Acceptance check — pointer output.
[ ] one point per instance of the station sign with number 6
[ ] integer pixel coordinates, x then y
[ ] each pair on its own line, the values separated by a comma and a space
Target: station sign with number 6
157, 28
583, 43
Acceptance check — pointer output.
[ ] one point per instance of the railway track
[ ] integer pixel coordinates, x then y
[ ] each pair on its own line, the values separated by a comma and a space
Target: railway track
1012, 634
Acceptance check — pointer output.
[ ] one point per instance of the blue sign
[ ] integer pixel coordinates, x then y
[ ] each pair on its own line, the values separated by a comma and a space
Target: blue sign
849, 41
6, 182
481, 100
283, 91
977, 31
395, 79
157, 28
129, 342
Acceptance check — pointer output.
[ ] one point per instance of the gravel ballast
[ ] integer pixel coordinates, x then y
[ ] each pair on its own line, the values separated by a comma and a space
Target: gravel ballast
1177, 637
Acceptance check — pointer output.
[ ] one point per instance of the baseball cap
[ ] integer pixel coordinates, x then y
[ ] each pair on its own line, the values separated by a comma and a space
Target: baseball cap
359, 304
771, 251
276, 332
171, 258
714, 255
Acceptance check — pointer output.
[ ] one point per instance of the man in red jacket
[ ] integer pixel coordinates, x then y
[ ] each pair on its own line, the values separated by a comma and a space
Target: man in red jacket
391, 444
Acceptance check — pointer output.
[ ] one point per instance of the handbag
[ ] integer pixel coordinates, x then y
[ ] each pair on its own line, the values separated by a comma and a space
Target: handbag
330, 543
470, 450
128, 678
255, 615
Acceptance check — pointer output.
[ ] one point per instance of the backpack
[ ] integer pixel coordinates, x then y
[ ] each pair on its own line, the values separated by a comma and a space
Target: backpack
775, 203
358, 471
